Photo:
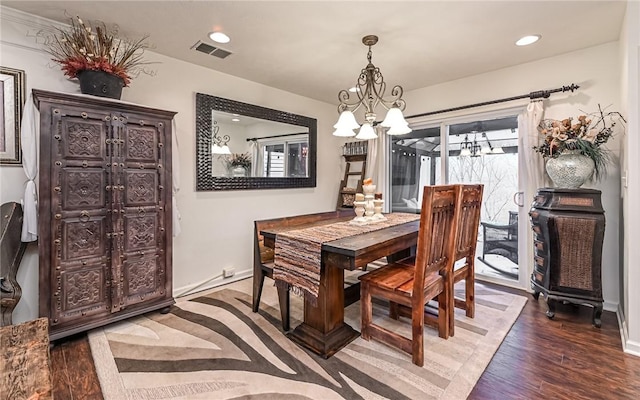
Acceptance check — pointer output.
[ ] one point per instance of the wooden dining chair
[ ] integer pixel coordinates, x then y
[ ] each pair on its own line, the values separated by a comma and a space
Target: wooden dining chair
413, 286
468, 214
466, 239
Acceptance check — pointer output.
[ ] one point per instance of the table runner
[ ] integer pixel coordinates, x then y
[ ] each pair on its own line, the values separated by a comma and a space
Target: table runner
297, 258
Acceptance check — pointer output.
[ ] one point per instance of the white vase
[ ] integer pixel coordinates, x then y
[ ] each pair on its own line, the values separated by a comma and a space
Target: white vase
238, 172
570, 169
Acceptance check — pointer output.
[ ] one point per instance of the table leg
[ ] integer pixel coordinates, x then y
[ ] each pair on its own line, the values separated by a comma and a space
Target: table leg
324, 331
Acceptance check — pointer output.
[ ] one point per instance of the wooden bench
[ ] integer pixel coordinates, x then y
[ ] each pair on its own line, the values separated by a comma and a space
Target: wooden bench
263, 257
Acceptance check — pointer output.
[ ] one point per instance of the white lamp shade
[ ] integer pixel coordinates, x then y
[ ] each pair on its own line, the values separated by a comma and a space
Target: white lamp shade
497, 150
366, 132
215, 149
399, 129
485, 150
465, 152
344, 132
346, 121
393, 118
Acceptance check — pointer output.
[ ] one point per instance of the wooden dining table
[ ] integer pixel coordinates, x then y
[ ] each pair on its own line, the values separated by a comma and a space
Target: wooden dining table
323, 329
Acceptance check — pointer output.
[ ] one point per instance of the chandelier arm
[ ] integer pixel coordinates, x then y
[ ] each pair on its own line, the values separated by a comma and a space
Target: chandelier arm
345, 105
220, 141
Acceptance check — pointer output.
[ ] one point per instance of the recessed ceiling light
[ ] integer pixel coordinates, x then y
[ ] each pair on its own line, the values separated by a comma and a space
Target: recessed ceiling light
235, 119
219, 37
527, 40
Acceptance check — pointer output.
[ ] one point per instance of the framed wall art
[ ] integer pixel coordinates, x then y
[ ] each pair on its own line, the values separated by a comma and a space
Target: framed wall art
12, 93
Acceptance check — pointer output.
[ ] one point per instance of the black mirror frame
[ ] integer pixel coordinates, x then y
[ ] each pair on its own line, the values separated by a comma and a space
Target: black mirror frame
204, 179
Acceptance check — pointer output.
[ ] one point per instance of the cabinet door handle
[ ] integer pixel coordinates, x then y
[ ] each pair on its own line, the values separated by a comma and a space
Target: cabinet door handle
84, 216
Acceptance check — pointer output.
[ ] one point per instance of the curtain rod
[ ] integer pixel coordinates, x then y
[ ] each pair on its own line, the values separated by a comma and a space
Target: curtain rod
276, 136
540, 94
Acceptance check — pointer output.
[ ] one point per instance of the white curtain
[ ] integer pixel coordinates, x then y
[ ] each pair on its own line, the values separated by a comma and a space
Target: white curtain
28, 137
256, 157
376, 168
528, 123
175, 176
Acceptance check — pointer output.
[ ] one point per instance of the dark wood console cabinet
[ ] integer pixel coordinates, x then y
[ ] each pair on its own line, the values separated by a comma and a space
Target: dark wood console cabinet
568, 226
104, 231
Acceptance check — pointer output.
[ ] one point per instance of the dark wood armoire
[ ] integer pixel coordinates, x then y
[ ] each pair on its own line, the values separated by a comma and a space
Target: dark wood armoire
104, 211
568, 226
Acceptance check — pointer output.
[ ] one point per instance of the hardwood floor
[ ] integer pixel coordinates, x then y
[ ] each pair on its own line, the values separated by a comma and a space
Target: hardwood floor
563, 358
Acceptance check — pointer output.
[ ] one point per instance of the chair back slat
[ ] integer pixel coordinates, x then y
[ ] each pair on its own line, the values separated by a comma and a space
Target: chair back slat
436, 243
470, 203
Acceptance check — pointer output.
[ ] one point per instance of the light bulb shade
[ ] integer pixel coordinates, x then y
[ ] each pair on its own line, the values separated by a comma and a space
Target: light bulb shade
215, 149
394, 118
485, 150
346, 121
497, 150
465, 152
344, 132
366, 132
399, 130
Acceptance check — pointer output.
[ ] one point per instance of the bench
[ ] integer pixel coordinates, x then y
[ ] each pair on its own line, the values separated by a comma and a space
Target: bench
263, 256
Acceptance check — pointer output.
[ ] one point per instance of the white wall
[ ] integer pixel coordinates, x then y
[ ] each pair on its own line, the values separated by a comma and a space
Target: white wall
217, 227
596, 70
630, 87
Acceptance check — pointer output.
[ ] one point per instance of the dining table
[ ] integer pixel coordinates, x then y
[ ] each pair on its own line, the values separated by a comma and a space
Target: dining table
323, 329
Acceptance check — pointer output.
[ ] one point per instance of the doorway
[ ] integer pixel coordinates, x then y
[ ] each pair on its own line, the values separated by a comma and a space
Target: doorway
479, 150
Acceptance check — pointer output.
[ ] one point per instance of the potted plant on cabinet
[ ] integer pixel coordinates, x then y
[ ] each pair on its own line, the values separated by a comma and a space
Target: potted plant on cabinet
93, 53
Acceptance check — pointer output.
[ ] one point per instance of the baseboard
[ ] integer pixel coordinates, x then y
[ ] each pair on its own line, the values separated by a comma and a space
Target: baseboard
211, 283
610, 306
628, 346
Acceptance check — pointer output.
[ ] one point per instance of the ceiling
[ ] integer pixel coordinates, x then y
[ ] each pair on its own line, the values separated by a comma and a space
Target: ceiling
314, 48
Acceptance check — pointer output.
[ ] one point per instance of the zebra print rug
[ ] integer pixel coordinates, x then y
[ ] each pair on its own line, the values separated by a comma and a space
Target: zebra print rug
214, 347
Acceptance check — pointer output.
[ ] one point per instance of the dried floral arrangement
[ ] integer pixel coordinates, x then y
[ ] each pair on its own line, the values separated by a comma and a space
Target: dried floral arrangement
239, 160
93, 46
585, 135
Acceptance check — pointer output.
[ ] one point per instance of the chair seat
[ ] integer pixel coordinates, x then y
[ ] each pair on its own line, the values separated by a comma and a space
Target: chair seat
397, 277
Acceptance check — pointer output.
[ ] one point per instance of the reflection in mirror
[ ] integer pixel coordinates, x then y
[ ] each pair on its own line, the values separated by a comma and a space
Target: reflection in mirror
258, 147
243, 146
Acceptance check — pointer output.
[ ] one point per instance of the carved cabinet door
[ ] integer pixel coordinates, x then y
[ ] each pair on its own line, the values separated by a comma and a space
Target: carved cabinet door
80, 153
142, 209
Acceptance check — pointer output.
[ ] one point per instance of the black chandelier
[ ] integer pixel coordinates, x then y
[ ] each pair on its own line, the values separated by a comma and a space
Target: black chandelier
471, 148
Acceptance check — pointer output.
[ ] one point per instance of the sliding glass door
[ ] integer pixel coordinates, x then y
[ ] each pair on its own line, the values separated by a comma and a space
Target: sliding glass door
482, 150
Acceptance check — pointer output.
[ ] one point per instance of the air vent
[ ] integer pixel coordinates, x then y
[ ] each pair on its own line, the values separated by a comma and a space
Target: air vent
211, 50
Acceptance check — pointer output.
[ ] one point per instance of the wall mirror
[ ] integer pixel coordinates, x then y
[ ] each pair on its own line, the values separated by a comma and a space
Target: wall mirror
242, 146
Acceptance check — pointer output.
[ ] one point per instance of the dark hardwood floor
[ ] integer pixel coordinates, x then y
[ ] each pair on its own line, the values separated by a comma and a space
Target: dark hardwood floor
563, 358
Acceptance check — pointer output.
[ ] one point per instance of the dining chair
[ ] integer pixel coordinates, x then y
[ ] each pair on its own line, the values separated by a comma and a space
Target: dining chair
466, 239
412, 286
468, 209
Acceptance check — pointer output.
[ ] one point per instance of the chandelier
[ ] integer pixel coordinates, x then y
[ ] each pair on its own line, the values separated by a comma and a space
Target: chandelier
370, 90
470, 148
219, 143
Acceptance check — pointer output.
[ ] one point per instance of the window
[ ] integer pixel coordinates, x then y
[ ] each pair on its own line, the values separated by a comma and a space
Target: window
284, 157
